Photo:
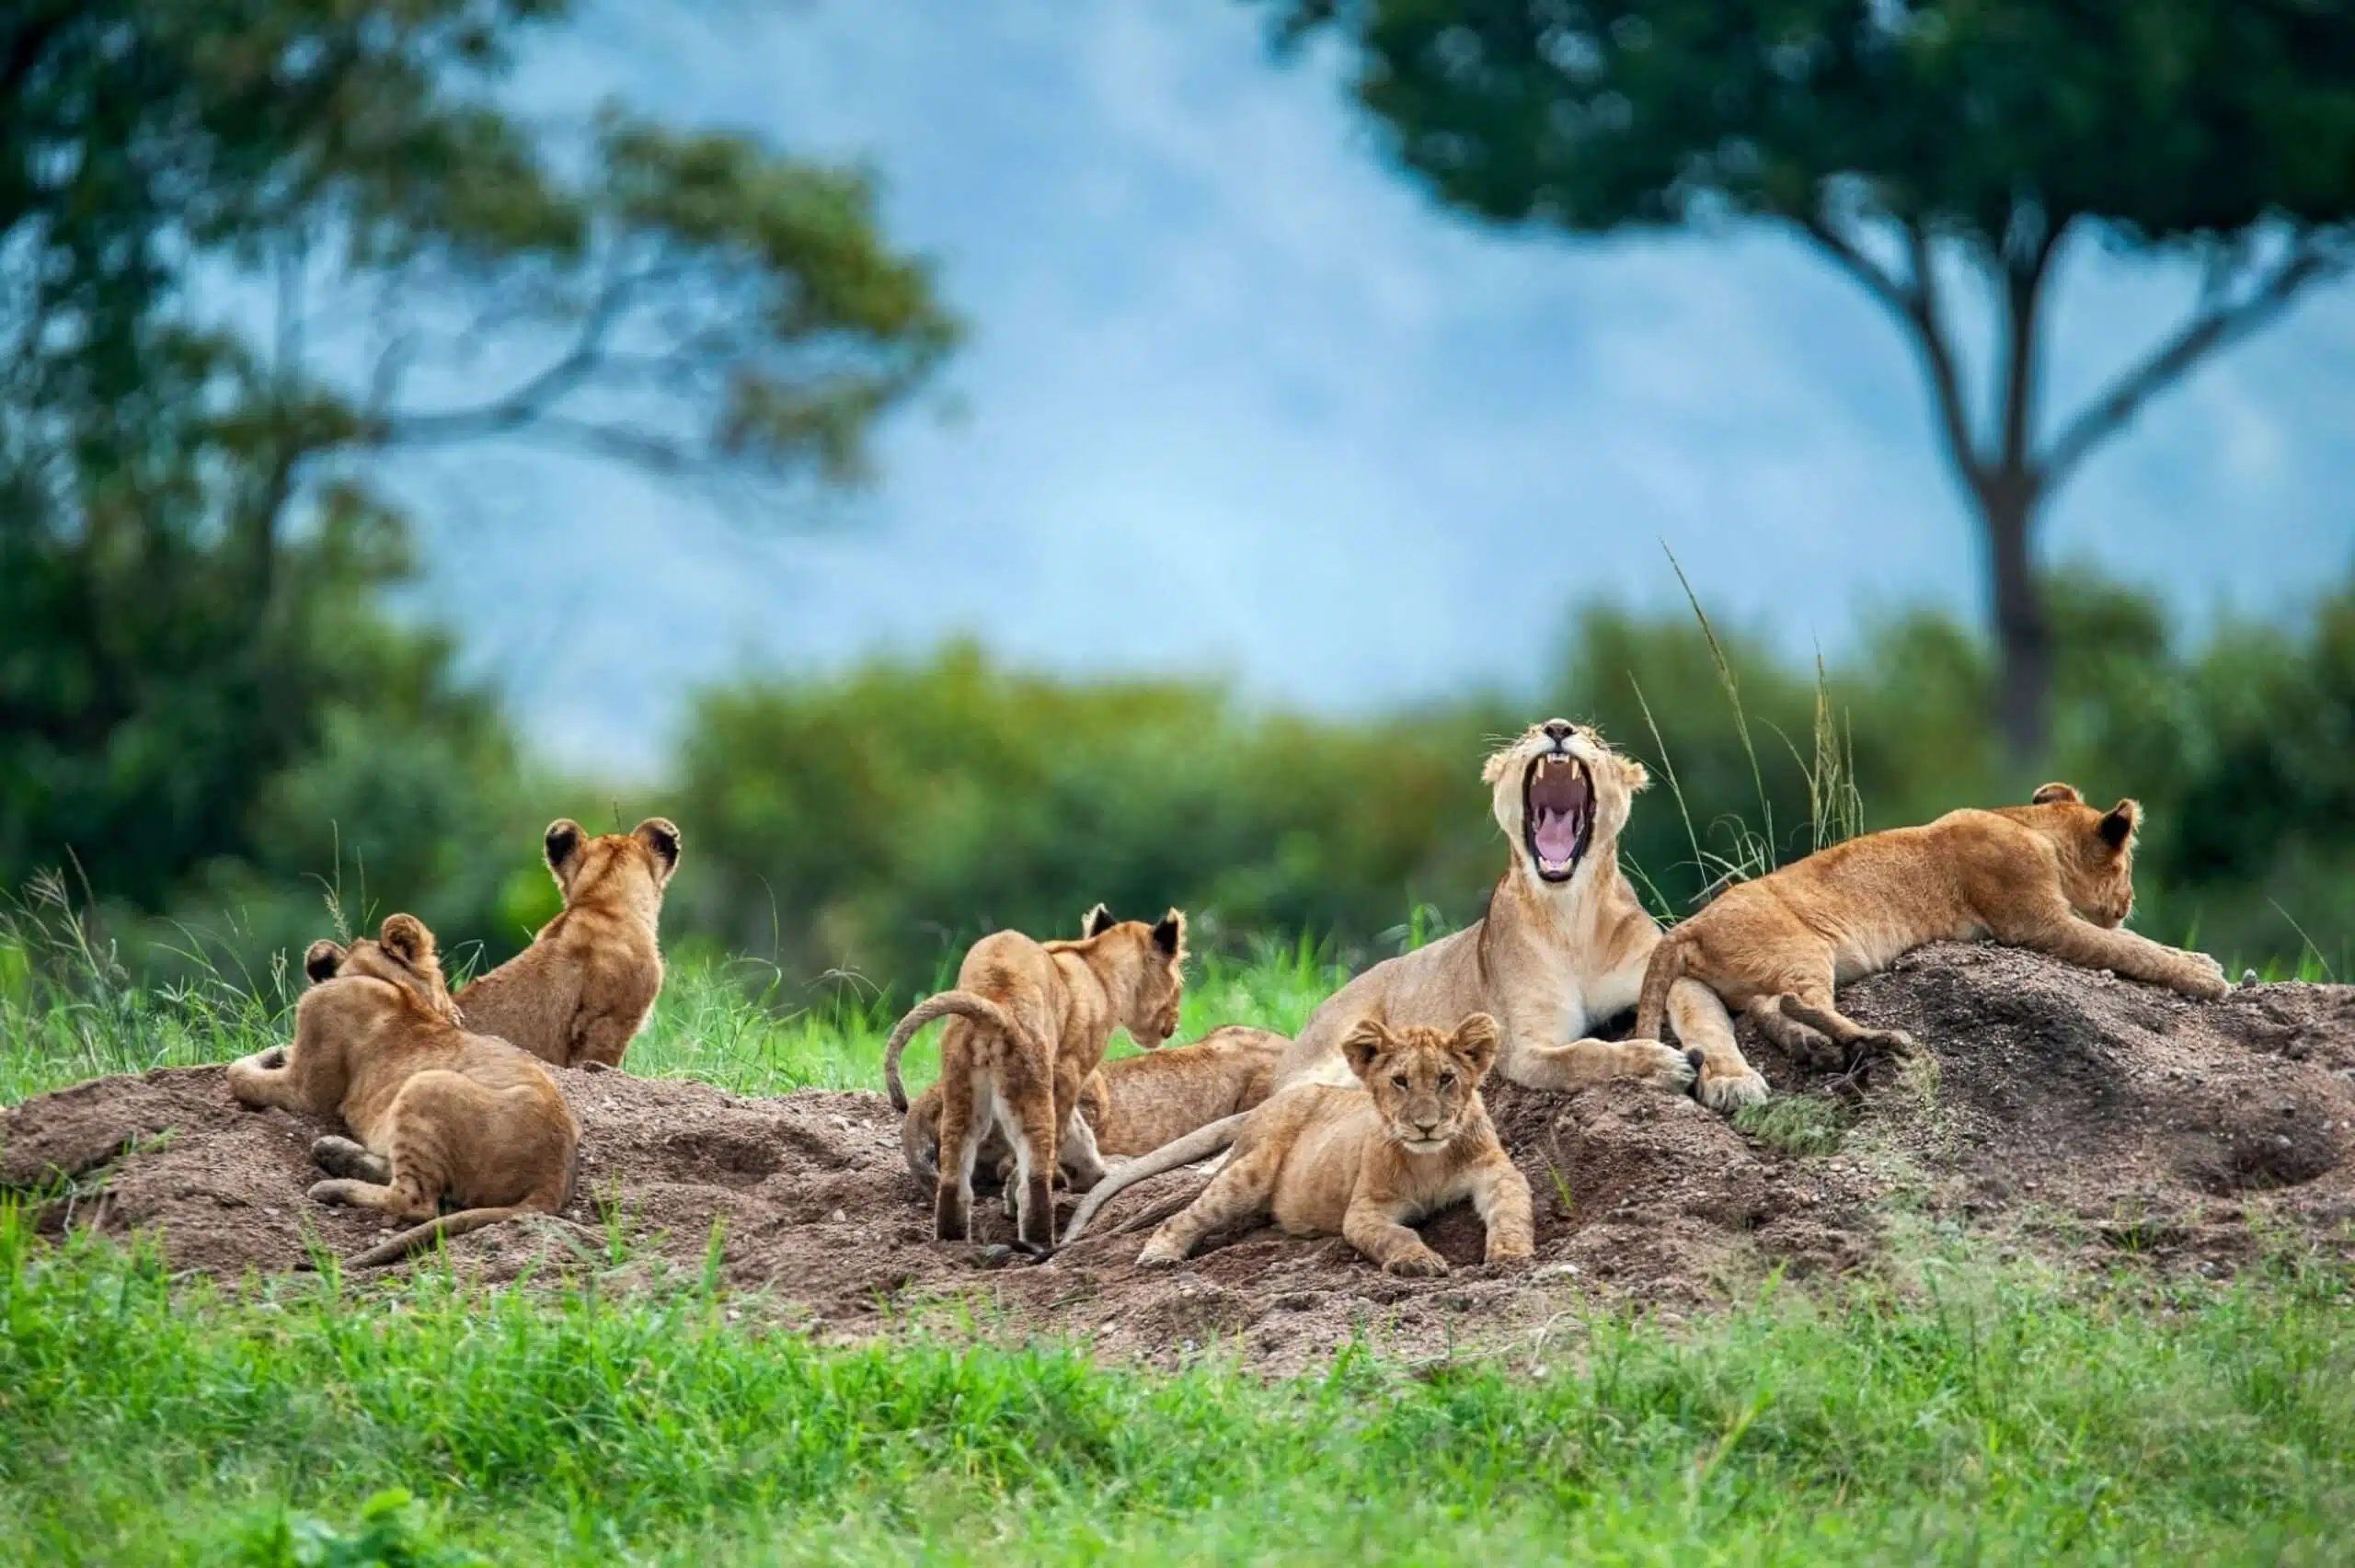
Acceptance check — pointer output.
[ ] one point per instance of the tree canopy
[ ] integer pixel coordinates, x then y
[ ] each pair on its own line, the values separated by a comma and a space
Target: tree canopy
1890, 133
245, 248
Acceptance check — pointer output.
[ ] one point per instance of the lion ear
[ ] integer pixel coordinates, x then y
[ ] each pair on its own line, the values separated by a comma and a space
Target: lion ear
661, 837
406, 938
1493, 768
1475, 1042
1169, 933
561, 843
323, 961
1366, 1040
1638, 777
2056, 791
1096, 921
2116, 830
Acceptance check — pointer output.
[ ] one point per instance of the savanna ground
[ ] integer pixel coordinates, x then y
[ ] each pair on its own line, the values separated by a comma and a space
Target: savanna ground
2173, 1382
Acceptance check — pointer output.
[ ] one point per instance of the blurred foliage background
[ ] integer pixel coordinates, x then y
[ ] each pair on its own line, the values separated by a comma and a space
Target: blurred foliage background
216, 732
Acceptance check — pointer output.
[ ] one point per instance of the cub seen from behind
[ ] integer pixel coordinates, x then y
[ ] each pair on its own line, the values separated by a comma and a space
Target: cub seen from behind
1027, 1023
432, 1110
580, 992
1369, 1162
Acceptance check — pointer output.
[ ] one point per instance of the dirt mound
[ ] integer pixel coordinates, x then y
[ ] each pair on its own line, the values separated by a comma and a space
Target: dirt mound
2074, 1110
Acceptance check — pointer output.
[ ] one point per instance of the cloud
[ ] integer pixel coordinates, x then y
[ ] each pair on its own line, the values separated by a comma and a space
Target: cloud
1240, 400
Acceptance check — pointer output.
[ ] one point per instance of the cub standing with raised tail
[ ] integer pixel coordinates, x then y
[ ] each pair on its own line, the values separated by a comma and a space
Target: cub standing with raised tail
2055, 875
1028, 1022
1369, 1164
580, 992
435, 1111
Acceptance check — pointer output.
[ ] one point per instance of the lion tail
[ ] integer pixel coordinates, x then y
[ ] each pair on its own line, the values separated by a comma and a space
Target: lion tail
963, 1004
1667, 967
1198, 1144
418, 1237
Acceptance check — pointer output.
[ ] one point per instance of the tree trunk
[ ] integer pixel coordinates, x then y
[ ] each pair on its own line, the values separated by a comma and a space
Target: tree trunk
2023, 633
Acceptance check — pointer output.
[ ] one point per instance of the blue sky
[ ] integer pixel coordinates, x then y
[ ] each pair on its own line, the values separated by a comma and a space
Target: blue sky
1240, 400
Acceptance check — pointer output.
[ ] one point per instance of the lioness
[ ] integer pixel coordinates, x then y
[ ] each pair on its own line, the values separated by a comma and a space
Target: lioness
2055, 875
581, 990
1028, 1022
1563, 945
1368, 1162
435, 1110
1137, 1104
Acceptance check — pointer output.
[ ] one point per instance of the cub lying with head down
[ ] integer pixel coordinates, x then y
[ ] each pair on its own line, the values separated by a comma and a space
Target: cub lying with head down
1368, 1162
1027, 1023
435, 1110
1133, 1106
2055, 875
580, 992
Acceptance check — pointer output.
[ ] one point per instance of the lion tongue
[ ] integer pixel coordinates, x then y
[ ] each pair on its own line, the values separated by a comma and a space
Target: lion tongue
1556, 835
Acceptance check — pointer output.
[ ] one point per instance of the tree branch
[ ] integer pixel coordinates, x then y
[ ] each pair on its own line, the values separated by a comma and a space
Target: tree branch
2214, 326
1915, 303
2023, 292
528, 401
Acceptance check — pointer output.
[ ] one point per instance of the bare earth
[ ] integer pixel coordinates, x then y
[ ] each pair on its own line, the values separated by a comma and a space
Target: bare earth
2070, 1112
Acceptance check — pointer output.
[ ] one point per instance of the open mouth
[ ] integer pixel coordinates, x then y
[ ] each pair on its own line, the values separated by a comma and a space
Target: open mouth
1557, 813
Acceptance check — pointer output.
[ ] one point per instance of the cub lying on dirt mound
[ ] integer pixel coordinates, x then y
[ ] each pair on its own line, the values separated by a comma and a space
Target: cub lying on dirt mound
2055, 875
1562, 946
581, 990
1135, 1105
1368, 1162
435, 1109
1028, 1022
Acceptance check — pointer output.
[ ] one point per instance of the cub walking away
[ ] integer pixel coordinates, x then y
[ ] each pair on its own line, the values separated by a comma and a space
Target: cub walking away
580, 992
1369, 1162
1028, 1022
2055, 875
435, 1111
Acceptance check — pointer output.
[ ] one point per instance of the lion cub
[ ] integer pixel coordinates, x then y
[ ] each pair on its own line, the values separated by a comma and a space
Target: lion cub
581, 990
2055, 875
1366, 1162
1028, 1022
435, 1110
1133, 1105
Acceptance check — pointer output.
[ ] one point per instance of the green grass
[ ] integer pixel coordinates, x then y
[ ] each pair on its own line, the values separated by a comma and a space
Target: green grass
1969, 1413
1992, 1417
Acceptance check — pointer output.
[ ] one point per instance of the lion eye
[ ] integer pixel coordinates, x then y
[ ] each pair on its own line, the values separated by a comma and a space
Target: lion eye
1447, 1080
1398, 1080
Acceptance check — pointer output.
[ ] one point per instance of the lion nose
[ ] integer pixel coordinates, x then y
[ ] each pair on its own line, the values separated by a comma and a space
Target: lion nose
1428, 1128
1557, 729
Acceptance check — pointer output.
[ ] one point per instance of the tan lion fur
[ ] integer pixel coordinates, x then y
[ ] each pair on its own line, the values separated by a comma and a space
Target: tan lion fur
1367, 1162
2055, 875
1550, 958
581, 990
1028, 1022
436, 1111
1135, 1105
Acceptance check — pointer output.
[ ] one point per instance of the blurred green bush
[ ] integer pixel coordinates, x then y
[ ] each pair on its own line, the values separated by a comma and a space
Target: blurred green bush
875, 822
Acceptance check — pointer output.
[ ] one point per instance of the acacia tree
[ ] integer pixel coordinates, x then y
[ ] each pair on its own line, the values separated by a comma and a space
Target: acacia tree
1896, 135
248, 247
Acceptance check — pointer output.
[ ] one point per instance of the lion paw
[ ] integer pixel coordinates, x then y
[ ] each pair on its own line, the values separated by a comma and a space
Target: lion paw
1727, 1093
1159, 1253
1420, 1264
2202, 977
1656, 1063
1509, 1252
